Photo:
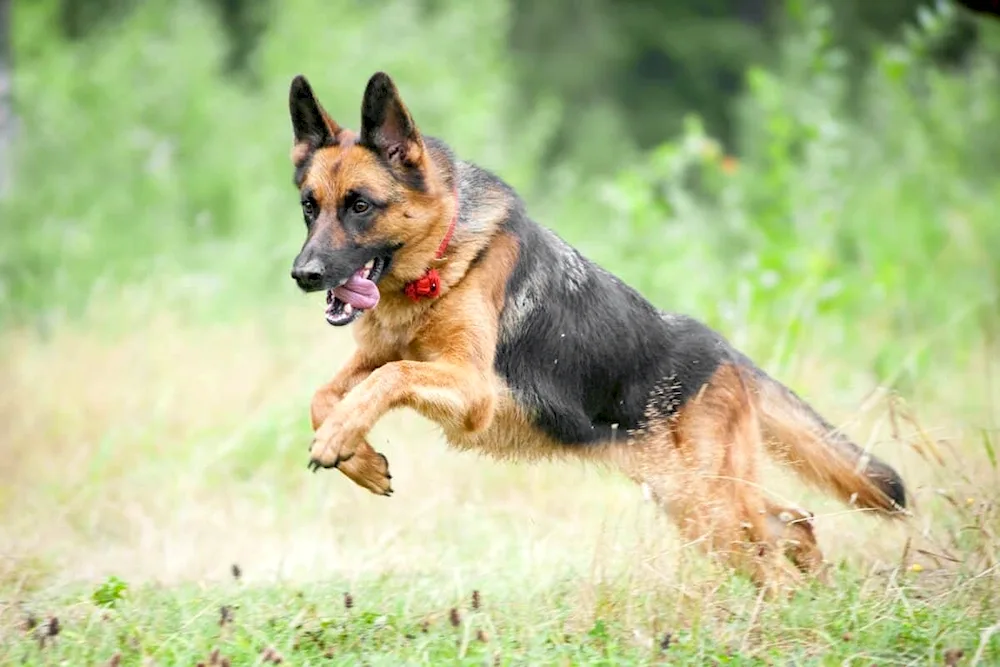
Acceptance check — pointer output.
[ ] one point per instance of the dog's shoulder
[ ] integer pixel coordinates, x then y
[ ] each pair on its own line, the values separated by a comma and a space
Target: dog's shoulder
583, 352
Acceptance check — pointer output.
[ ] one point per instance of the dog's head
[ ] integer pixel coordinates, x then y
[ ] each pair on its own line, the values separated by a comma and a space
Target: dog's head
367, 198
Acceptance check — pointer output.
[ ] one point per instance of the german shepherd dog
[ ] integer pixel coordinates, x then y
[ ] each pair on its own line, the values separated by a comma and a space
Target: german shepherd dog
467, 311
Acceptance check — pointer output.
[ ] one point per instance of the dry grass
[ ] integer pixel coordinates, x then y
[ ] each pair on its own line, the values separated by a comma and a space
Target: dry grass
150, 451
166, 451
169, 451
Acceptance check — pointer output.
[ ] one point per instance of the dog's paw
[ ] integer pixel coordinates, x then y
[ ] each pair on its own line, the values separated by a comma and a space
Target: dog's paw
329, 448
368, 469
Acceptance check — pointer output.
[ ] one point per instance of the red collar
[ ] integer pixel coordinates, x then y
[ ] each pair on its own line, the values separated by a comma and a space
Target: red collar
428, 286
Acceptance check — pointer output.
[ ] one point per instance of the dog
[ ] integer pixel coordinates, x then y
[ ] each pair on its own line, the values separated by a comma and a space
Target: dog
467, 311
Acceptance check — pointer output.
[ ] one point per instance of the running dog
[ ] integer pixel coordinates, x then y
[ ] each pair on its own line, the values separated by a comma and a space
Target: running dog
469, 312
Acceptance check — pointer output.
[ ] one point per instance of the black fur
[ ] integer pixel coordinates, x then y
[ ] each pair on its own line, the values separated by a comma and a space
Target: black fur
307, 116
308, 125
354, 222
590, 356
591, 359
388, 130
319, 265
411, 178
301, 169
889, 481
334, 265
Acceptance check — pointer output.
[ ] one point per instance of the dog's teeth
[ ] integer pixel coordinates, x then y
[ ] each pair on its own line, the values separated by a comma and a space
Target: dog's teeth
347, 309
370, 265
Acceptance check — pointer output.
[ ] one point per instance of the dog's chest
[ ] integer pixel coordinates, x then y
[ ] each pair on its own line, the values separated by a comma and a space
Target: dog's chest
510, 435
389, 339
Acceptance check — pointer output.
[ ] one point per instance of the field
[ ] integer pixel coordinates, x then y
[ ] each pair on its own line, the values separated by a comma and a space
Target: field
156, 364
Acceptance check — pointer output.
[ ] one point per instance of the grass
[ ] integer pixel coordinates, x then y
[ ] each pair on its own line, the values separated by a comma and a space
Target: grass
173, 451
882, 619
156, 365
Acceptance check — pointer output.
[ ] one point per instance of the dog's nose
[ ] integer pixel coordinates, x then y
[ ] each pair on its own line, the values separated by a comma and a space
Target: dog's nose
308, 275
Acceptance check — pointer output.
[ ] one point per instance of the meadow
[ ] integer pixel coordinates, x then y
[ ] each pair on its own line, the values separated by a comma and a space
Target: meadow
156, 360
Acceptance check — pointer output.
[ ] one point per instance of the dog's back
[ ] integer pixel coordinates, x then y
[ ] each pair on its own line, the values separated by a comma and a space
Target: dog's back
584, 352
591, 360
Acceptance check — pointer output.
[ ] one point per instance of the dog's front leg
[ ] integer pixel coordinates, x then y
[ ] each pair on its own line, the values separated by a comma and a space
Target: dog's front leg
458, 396
367, 468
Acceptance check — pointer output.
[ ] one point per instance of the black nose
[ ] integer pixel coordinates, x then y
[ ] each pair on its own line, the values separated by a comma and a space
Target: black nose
308, 275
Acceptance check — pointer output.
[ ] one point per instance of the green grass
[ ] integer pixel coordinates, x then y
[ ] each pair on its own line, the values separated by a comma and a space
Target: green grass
156, 362
888, 619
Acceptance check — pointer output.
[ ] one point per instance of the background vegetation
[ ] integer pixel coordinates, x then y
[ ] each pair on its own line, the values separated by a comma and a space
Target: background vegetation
816, 180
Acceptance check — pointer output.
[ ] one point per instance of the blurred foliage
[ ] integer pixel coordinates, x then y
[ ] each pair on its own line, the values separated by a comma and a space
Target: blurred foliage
242, 22
879, 222
651, 62
149, 158
862, 195
622, 71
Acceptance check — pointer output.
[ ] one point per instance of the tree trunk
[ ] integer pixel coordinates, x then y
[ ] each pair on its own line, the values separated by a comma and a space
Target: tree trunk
6, 93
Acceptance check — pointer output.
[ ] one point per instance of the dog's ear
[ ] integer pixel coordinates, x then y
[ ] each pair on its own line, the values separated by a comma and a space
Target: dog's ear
312, 127
386, 125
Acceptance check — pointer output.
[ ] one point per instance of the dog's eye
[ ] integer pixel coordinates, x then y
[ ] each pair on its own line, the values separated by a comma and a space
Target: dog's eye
308, 208
360, 206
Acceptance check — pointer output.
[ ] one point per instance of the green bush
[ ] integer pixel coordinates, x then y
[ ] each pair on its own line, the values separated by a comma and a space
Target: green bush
867, 226
875, 223
139, 160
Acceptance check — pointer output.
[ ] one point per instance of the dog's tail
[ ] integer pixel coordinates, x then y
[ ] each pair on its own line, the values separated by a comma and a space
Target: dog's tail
797, 436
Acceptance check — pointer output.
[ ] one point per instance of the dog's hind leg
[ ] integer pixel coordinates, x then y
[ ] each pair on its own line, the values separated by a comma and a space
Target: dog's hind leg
793, 529
701, 466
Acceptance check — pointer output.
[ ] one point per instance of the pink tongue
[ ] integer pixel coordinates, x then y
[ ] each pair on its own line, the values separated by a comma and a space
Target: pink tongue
360, 292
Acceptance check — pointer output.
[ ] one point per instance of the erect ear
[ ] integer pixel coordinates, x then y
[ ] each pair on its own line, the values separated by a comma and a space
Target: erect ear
312, 126
386, 125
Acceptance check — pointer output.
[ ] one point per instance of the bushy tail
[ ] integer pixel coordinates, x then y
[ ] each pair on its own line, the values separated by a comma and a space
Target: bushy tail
796, 435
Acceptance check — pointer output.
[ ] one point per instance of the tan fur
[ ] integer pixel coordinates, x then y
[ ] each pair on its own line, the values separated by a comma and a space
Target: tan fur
338, 169
366, 468
439, 364
792, 437
702, 467
793, 529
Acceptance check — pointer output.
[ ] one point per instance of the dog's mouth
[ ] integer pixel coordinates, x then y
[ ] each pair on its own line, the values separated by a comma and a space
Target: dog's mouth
359, 293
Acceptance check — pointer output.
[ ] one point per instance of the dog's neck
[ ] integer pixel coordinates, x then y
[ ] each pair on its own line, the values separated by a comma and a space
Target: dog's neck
443, 163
